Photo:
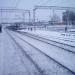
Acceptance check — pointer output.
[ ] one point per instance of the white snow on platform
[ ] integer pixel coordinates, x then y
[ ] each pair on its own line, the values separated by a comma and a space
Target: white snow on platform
10, 62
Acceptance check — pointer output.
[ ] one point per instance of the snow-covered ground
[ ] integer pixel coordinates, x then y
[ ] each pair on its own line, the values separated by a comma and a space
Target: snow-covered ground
62, 37
48, 66
62, 56
11, 59
14, 62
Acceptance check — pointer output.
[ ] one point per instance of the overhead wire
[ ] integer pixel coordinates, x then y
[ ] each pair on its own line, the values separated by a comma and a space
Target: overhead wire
44, 2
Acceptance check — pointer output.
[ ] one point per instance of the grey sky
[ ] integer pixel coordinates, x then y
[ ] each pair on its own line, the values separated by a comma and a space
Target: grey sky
29, 4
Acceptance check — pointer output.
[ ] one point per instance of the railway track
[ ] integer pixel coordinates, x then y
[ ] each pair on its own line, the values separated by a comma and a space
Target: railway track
34, 53
63, 46
65, 54
34, 67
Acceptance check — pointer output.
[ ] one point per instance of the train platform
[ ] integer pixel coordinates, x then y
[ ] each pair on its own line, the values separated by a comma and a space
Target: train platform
10, 61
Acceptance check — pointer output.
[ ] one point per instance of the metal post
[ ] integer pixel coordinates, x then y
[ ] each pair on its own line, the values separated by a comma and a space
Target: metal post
53, 16
66, 28
33, 15
1, 16
29, 17
23, 17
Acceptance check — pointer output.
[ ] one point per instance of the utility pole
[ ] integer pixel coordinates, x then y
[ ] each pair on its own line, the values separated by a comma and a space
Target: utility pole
66, 28
23, 17
29, 17
34, 15
1, 16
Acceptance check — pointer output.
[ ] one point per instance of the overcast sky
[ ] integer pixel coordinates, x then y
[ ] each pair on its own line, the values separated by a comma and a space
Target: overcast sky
29, 4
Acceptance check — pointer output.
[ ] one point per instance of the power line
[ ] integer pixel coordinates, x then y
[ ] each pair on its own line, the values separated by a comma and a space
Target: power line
40, 2
44, 2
